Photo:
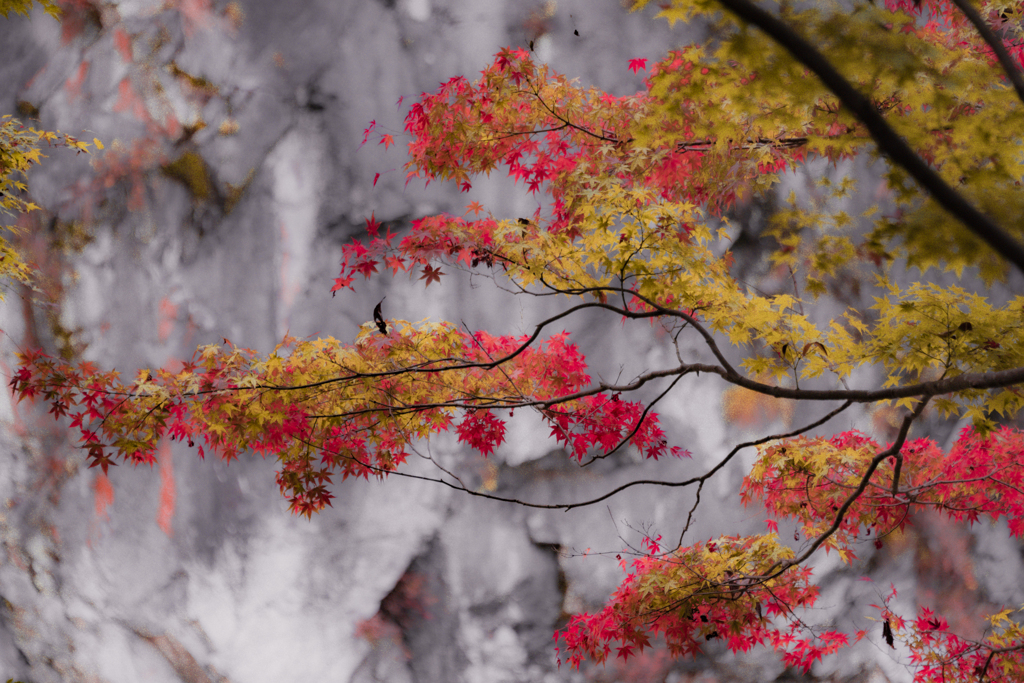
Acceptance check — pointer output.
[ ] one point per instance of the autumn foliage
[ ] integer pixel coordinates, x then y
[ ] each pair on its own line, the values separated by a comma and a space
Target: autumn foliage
634, 197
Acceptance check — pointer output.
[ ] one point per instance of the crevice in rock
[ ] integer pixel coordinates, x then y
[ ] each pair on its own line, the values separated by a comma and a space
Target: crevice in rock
418, 616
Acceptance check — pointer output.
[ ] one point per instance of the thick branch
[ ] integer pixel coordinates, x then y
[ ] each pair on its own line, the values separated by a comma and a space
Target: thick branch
975, 380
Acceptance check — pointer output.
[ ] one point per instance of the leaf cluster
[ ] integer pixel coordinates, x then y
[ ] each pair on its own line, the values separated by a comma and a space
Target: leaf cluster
20, 149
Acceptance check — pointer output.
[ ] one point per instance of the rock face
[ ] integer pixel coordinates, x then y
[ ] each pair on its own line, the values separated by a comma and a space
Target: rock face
232, 175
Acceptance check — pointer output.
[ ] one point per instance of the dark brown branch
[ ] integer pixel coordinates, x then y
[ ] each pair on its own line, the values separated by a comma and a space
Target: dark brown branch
976, 380
640, 420
983, 380
980, 380
898, 454
724, 461
708, 144
636, 482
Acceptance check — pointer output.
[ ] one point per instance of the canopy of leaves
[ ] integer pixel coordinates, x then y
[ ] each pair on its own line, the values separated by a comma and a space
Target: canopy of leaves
634, 195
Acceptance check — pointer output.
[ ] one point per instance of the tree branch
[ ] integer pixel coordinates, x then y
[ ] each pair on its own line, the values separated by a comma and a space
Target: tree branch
893, 450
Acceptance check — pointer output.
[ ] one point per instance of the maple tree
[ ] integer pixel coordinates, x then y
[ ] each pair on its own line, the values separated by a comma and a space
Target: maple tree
634, 195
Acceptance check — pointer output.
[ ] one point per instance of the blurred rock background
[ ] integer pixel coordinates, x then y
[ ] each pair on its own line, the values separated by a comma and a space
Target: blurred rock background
232, 175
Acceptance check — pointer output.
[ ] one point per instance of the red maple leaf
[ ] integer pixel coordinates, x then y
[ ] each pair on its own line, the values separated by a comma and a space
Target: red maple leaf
467, 256
482, 431
99, 458
386, 140
367, 131
635, 65
395, 263
367, 267
341, 283
431, 274
372, 225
